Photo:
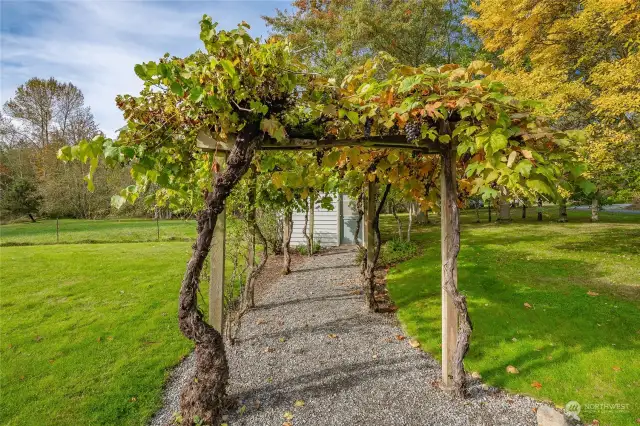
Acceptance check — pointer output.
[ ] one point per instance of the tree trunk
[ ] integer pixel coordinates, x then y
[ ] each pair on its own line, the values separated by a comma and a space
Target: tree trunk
524, 210
369, 277
504, 212
410, 224
33, 219
477, 212
562, 210
595, 210
312, 219
451, 248
539, 209
286, 241
398, 222
489, 209
203, 397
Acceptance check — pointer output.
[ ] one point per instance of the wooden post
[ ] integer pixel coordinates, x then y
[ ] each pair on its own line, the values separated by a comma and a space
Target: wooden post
216, 282
449, 314
370, 213
251, 220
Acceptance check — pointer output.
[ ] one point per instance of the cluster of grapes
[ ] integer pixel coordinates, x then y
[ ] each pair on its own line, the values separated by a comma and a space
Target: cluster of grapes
367, 127
413, 130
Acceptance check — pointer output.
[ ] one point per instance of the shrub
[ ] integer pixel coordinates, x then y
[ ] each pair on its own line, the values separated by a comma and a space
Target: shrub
395, 251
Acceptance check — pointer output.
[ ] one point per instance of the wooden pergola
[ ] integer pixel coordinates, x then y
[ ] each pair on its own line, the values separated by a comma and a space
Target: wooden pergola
449, 229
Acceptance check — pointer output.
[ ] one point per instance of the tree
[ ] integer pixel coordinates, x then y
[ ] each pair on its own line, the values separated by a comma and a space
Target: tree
334, 36
583, 58
21, 198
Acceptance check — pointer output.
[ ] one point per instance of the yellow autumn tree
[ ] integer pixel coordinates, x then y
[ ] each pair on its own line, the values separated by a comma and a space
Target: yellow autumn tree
583, 58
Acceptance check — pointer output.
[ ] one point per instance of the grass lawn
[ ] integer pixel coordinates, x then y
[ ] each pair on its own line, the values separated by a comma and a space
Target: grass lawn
88, 332
95, 231
578, 347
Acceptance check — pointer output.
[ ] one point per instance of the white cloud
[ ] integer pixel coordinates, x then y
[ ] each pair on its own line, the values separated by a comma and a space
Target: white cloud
95, 44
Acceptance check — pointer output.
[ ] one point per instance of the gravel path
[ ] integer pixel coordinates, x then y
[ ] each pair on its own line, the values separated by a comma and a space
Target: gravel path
312, 340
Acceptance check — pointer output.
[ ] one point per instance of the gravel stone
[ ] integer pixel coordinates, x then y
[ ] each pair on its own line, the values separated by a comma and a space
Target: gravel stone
311, 338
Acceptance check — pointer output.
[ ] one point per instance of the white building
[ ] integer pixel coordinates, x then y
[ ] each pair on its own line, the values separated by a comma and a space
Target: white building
331, 227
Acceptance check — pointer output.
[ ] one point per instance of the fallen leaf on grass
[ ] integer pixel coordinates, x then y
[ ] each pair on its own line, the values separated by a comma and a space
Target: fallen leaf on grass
268, 349
355, 292
332, 336
38, 338
536, 384
414, 343
616, 368
288, 415
287, 424
282, 340
476, 375
400, 337
592, 293
299, 403
528, 306
242, 410
134, 399
260, 321
512, 370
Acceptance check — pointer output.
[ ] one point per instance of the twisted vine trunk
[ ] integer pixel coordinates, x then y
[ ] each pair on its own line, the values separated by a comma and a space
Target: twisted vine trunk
451, 248
203, 396
247, 302
360, 209
369, 275
286, 242
304, 229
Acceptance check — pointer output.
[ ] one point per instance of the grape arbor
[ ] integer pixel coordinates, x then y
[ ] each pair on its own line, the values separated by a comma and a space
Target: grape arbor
383, 123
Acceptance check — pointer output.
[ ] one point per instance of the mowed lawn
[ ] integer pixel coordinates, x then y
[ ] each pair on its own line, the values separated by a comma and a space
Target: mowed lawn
580, 338
73, 231
88, 332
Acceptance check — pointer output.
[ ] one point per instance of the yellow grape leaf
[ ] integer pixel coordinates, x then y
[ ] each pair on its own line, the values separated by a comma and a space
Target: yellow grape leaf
512, 370
288, 415
299, 403
276, 178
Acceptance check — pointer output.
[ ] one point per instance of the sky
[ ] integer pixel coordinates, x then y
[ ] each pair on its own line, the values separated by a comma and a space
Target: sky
95, 44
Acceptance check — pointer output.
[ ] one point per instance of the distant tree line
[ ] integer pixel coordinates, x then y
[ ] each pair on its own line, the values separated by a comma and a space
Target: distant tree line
43, 116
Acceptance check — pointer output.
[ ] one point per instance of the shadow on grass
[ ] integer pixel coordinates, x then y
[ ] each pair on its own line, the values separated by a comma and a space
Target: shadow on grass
567, 340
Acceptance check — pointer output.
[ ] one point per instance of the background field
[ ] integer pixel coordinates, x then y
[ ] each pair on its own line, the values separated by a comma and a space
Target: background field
576, 346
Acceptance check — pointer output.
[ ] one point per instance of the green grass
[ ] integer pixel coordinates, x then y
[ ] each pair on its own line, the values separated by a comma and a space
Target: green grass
88, 332
571, 343
95, 231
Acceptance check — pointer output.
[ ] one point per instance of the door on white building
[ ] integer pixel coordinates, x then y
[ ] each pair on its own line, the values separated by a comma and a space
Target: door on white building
348, 217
